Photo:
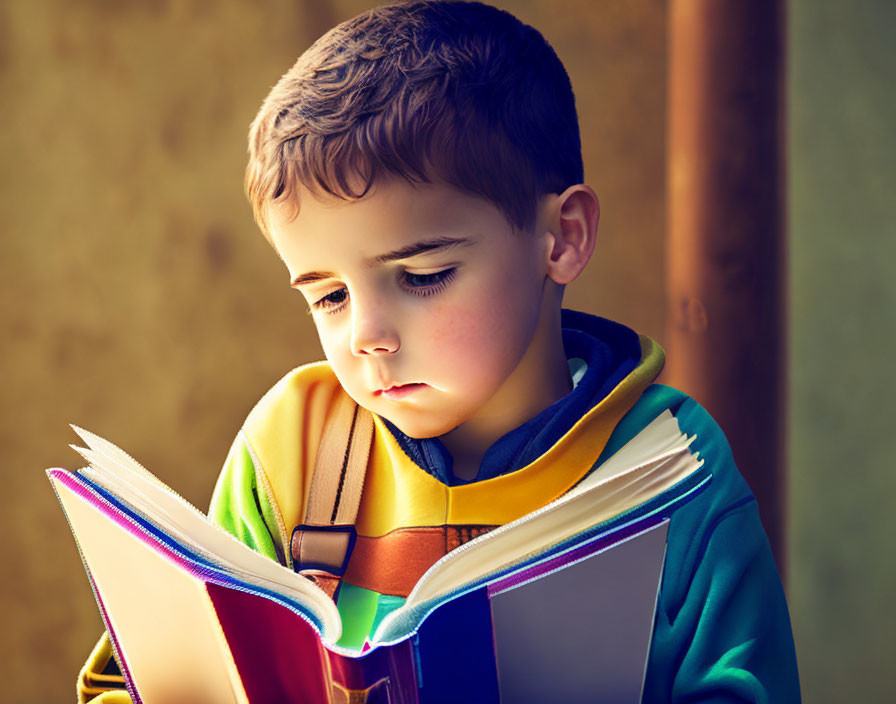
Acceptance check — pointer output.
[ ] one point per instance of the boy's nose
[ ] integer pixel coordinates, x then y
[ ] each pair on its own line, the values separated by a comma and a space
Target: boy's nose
373, 334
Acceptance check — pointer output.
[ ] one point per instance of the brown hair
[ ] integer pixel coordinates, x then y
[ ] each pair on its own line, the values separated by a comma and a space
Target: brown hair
422, 90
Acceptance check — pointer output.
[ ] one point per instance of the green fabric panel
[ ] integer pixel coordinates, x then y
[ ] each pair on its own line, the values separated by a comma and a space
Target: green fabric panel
357, 608
236, 503
386, 605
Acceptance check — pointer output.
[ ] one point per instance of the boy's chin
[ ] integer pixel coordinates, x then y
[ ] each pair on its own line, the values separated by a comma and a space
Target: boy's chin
419, 428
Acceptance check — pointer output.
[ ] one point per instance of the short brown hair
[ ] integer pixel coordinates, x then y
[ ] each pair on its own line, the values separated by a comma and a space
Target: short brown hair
422, 90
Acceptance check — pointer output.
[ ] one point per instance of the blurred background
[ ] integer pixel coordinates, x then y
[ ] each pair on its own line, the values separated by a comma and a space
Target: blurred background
139, 300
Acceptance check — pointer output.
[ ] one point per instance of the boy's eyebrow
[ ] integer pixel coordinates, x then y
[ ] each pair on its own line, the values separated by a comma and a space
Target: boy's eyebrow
405, 252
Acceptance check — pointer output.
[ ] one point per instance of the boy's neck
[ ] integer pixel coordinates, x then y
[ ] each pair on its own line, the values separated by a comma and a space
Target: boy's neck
545, 373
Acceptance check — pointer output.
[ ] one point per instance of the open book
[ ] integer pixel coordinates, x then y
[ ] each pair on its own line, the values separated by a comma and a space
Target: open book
555, 606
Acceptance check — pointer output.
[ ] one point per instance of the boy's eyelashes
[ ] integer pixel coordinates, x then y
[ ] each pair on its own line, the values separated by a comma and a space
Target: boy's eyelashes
423, 284
415, 284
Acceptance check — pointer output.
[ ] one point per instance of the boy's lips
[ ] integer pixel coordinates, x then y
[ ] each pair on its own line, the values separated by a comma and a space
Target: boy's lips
397, 391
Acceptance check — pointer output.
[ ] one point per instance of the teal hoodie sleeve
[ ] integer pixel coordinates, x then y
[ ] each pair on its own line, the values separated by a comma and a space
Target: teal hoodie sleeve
722, 630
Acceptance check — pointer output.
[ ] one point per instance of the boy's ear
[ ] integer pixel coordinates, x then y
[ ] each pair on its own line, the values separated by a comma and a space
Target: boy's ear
572, 230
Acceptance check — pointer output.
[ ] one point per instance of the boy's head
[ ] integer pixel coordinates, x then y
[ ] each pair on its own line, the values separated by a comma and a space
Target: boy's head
419, 172
453, 91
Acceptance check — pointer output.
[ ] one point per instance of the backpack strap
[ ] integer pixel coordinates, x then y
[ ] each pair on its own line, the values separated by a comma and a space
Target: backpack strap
322, 543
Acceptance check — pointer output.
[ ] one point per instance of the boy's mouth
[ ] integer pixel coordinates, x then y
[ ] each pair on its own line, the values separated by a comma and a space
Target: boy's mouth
397, 391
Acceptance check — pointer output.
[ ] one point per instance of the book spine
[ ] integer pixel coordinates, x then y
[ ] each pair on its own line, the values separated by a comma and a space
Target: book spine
385, 674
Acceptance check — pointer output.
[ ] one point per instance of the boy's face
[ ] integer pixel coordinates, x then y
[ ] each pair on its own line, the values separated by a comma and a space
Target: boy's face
427, 289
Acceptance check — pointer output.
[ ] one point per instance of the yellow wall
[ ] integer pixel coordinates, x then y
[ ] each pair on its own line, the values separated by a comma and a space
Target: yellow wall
138, 299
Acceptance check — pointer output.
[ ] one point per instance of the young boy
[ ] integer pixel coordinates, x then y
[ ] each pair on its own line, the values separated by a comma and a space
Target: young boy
419, 173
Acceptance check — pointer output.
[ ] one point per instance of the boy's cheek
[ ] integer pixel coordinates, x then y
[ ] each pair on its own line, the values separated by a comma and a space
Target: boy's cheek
470, 319
451, 326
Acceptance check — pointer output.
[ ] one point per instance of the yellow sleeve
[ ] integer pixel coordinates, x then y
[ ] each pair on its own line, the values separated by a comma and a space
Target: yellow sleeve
100, 681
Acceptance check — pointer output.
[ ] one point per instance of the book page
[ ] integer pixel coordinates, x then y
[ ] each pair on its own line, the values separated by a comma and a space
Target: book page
161, 616
587, 505
114, 470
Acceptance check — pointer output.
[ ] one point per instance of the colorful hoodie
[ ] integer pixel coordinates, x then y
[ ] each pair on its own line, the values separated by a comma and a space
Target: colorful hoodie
722, 631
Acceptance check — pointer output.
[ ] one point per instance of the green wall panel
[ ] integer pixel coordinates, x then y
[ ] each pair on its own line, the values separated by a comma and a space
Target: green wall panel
842, 116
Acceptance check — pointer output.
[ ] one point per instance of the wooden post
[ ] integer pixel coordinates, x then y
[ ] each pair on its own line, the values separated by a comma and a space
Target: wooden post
726, 253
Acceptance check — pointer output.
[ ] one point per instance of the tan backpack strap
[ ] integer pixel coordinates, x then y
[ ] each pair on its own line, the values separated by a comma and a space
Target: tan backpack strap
340, 466
322, 544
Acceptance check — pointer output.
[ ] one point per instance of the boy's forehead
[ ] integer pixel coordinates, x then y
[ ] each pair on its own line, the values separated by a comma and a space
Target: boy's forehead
392, 211
329, 237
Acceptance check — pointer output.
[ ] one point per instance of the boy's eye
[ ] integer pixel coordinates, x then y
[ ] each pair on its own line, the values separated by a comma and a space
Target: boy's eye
428, 281
331, 300
416, 284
